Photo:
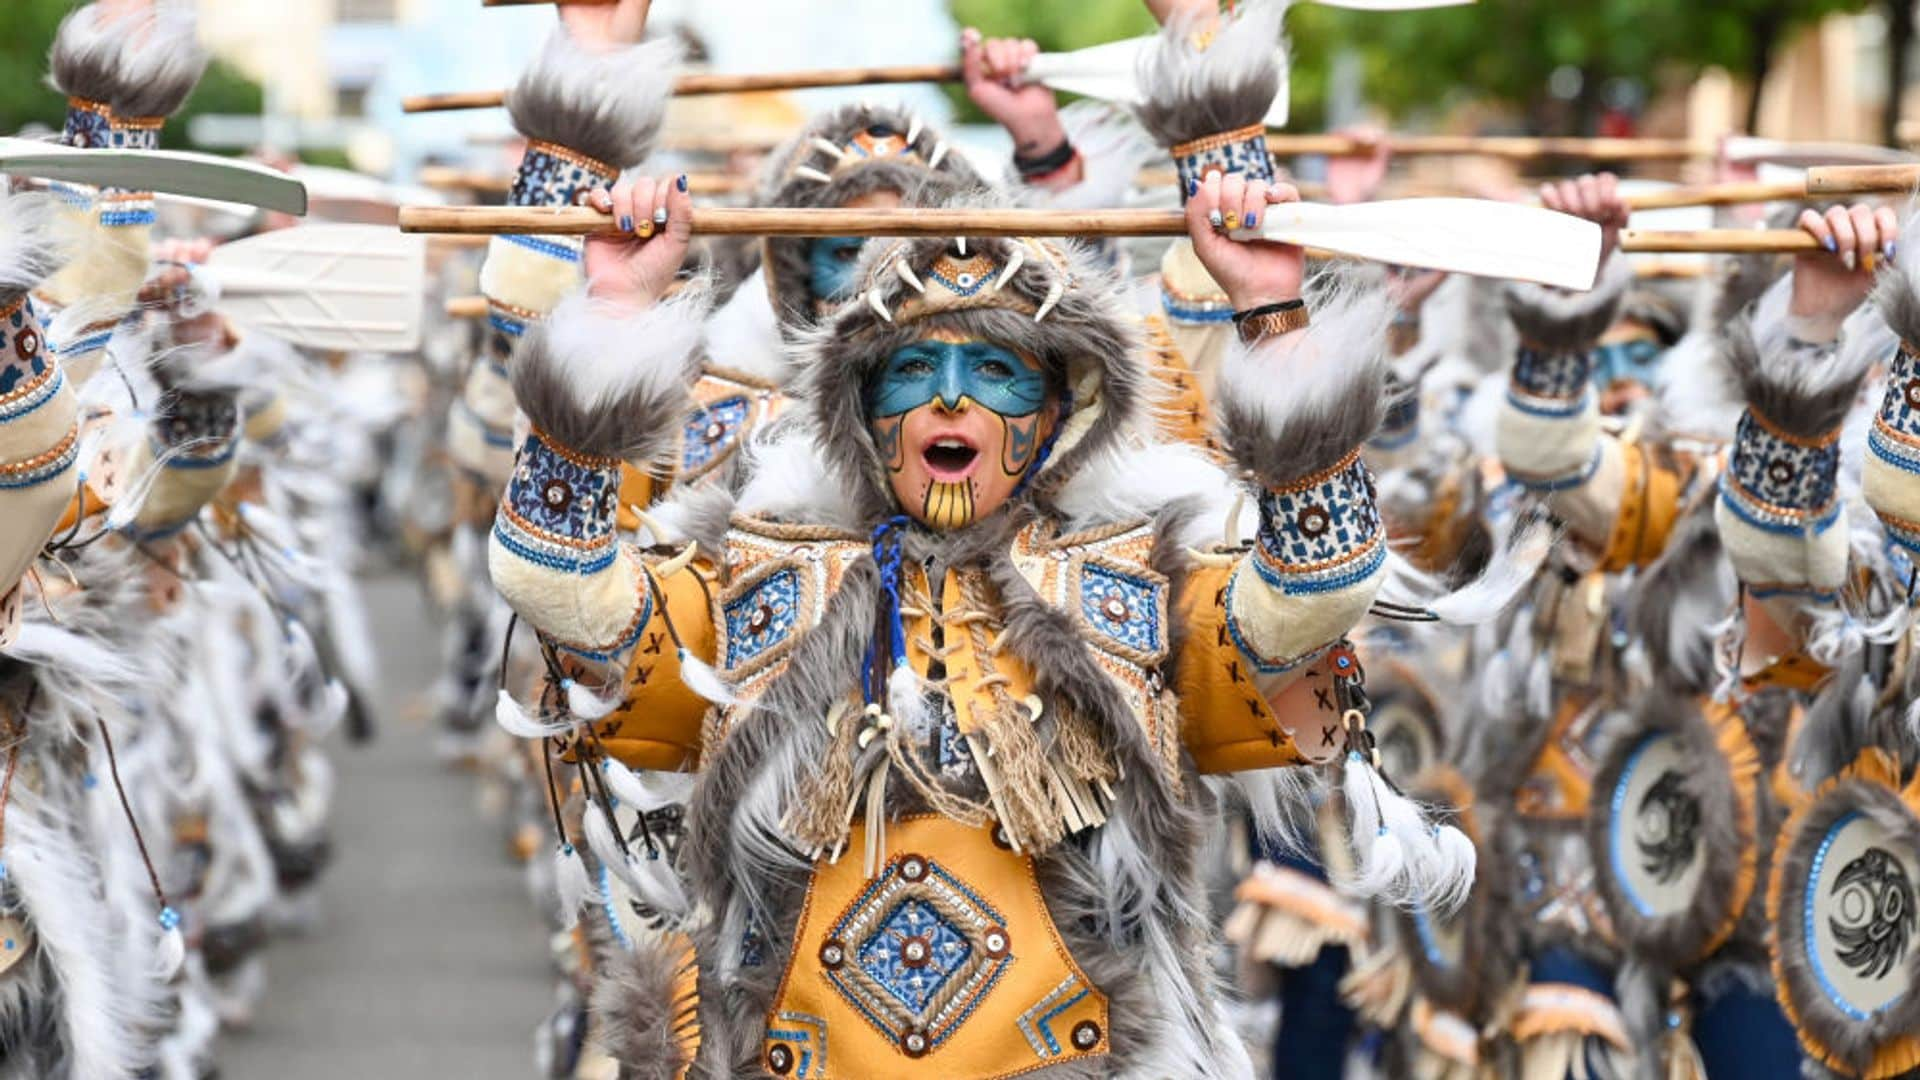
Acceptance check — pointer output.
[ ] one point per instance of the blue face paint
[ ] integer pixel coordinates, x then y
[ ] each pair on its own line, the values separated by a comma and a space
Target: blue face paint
830, 263
1628, 361
996, 379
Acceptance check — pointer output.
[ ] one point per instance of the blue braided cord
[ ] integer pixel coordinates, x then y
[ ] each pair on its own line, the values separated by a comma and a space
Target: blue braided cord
886, 553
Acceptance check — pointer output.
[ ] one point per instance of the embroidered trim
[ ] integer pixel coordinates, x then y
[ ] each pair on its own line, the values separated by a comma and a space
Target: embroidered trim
1778, 482
1242, 153
43, 466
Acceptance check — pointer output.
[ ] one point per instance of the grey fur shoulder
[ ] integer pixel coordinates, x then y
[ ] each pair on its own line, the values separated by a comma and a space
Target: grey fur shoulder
1558, 321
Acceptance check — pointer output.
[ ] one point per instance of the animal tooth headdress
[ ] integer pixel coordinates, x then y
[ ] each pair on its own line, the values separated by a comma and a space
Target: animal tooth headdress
1053, 302
850, 152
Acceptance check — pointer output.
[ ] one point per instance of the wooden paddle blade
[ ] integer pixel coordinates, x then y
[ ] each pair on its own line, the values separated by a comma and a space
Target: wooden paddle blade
355, 288
175, 172
1467, 236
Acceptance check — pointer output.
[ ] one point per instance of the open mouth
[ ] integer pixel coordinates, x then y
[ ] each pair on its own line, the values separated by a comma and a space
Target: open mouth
949, 458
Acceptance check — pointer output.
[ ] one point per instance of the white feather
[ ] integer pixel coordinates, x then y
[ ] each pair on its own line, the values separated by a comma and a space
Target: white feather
508, 714
647, 791
571, 885
586, 705
703, 680
908, 702
172, 954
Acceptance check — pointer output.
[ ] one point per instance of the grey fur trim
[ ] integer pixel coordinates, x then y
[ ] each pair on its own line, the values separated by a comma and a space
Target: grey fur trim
1640, 991
1295, 406
1557, 321
635, 1005
1654, 305
1852, 1041
1490, 950
785, 258
1838, 724
1804, 391
1895, 297
609, 382
1189, 91
162, 63
606, 104
1089, 330
85, 59
1678, 941
1738, 281
29, 250
1675, 604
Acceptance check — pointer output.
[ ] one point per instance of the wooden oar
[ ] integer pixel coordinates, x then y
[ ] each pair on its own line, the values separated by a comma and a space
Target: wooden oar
1863, 179
1500, 146
1716, 241
442, 178
1471, 236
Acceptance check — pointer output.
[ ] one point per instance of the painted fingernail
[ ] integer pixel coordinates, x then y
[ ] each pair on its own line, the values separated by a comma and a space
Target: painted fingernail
660, 216
682, 182
1214, 219
1892, 246
645, 230
1233, 221
1850, 260
1887, 249
1193, 187
1252, 220
626, 222
1831, 243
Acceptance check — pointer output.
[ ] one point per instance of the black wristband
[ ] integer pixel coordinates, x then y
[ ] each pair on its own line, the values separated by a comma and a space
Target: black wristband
1052, 162
1269, 309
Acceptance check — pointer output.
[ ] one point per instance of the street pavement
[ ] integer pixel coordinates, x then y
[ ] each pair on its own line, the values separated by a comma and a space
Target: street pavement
428, 959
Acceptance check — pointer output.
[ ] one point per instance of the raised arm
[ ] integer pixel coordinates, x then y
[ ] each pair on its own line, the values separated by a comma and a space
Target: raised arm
1297, 401
604, 383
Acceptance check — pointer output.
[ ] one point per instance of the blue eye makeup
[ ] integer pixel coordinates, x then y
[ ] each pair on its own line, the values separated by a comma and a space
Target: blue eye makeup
830, 264
996, 379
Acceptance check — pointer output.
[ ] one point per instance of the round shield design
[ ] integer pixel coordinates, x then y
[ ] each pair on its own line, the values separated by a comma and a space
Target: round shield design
1673, 830
1462, 960
1843, 904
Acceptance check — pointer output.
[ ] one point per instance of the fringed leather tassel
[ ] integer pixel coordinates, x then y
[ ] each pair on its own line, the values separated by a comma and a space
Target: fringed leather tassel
817, 818
1007, 751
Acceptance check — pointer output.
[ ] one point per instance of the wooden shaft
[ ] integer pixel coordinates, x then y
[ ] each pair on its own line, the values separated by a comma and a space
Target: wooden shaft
1862, 179
1518, 147
1732, 194
689, 85
466, 307
445, 179
1711, 241
758, 221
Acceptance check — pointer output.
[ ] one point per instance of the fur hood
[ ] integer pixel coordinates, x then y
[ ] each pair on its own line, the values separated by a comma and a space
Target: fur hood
829, 163
1051, 301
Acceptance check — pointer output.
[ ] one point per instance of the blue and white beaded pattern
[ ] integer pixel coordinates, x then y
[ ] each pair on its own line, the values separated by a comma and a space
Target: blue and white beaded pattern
25, 359
1895, 438
1554, 382
762, 618
1322, 535
550, 176
1124, 608
1245, 155
1780, 486
558, 512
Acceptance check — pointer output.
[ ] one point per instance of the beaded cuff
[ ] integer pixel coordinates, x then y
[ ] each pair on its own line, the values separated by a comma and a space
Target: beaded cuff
1189, 310
135, 132
1242, 152
552, 175
558, 512
1550, 384
1778, 483
88, 125
1321, 533
1894, 442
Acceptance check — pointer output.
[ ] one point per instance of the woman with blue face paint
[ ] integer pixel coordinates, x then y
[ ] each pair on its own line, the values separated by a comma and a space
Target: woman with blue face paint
951, 662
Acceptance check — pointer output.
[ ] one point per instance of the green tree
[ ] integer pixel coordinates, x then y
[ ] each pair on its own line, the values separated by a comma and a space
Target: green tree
25, 97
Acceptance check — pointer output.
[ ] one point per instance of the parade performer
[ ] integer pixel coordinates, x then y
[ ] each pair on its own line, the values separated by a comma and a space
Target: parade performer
960, 650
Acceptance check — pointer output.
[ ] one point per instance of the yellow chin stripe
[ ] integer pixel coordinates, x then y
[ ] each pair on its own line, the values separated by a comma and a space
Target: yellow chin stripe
948, 506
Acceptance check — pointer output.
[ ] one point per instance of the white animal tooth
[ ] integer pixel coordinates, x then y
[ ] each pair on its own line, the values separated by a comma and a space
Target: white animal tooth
906, 275
960, 245
878, 305
939, 153
828, 148
913, 130
1014, 262
1054, 292
808, 172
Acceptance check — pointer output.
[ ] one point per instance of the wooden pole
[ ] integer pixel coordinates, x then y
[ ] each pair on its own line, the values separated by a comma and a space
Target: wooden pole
1717, 241
1514, 147
442, 178
1731, 194
690, 85
758, 221
1862, 179
466, 307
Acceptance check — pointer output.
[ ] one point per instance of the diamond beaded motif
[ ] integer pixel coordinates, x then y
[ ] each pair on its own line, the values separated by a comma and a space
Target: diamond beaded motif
761, 618
1122, 607
1322, 535
558, 495
710, 431
1558, 376
23, 353
916, 953
1775, 484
